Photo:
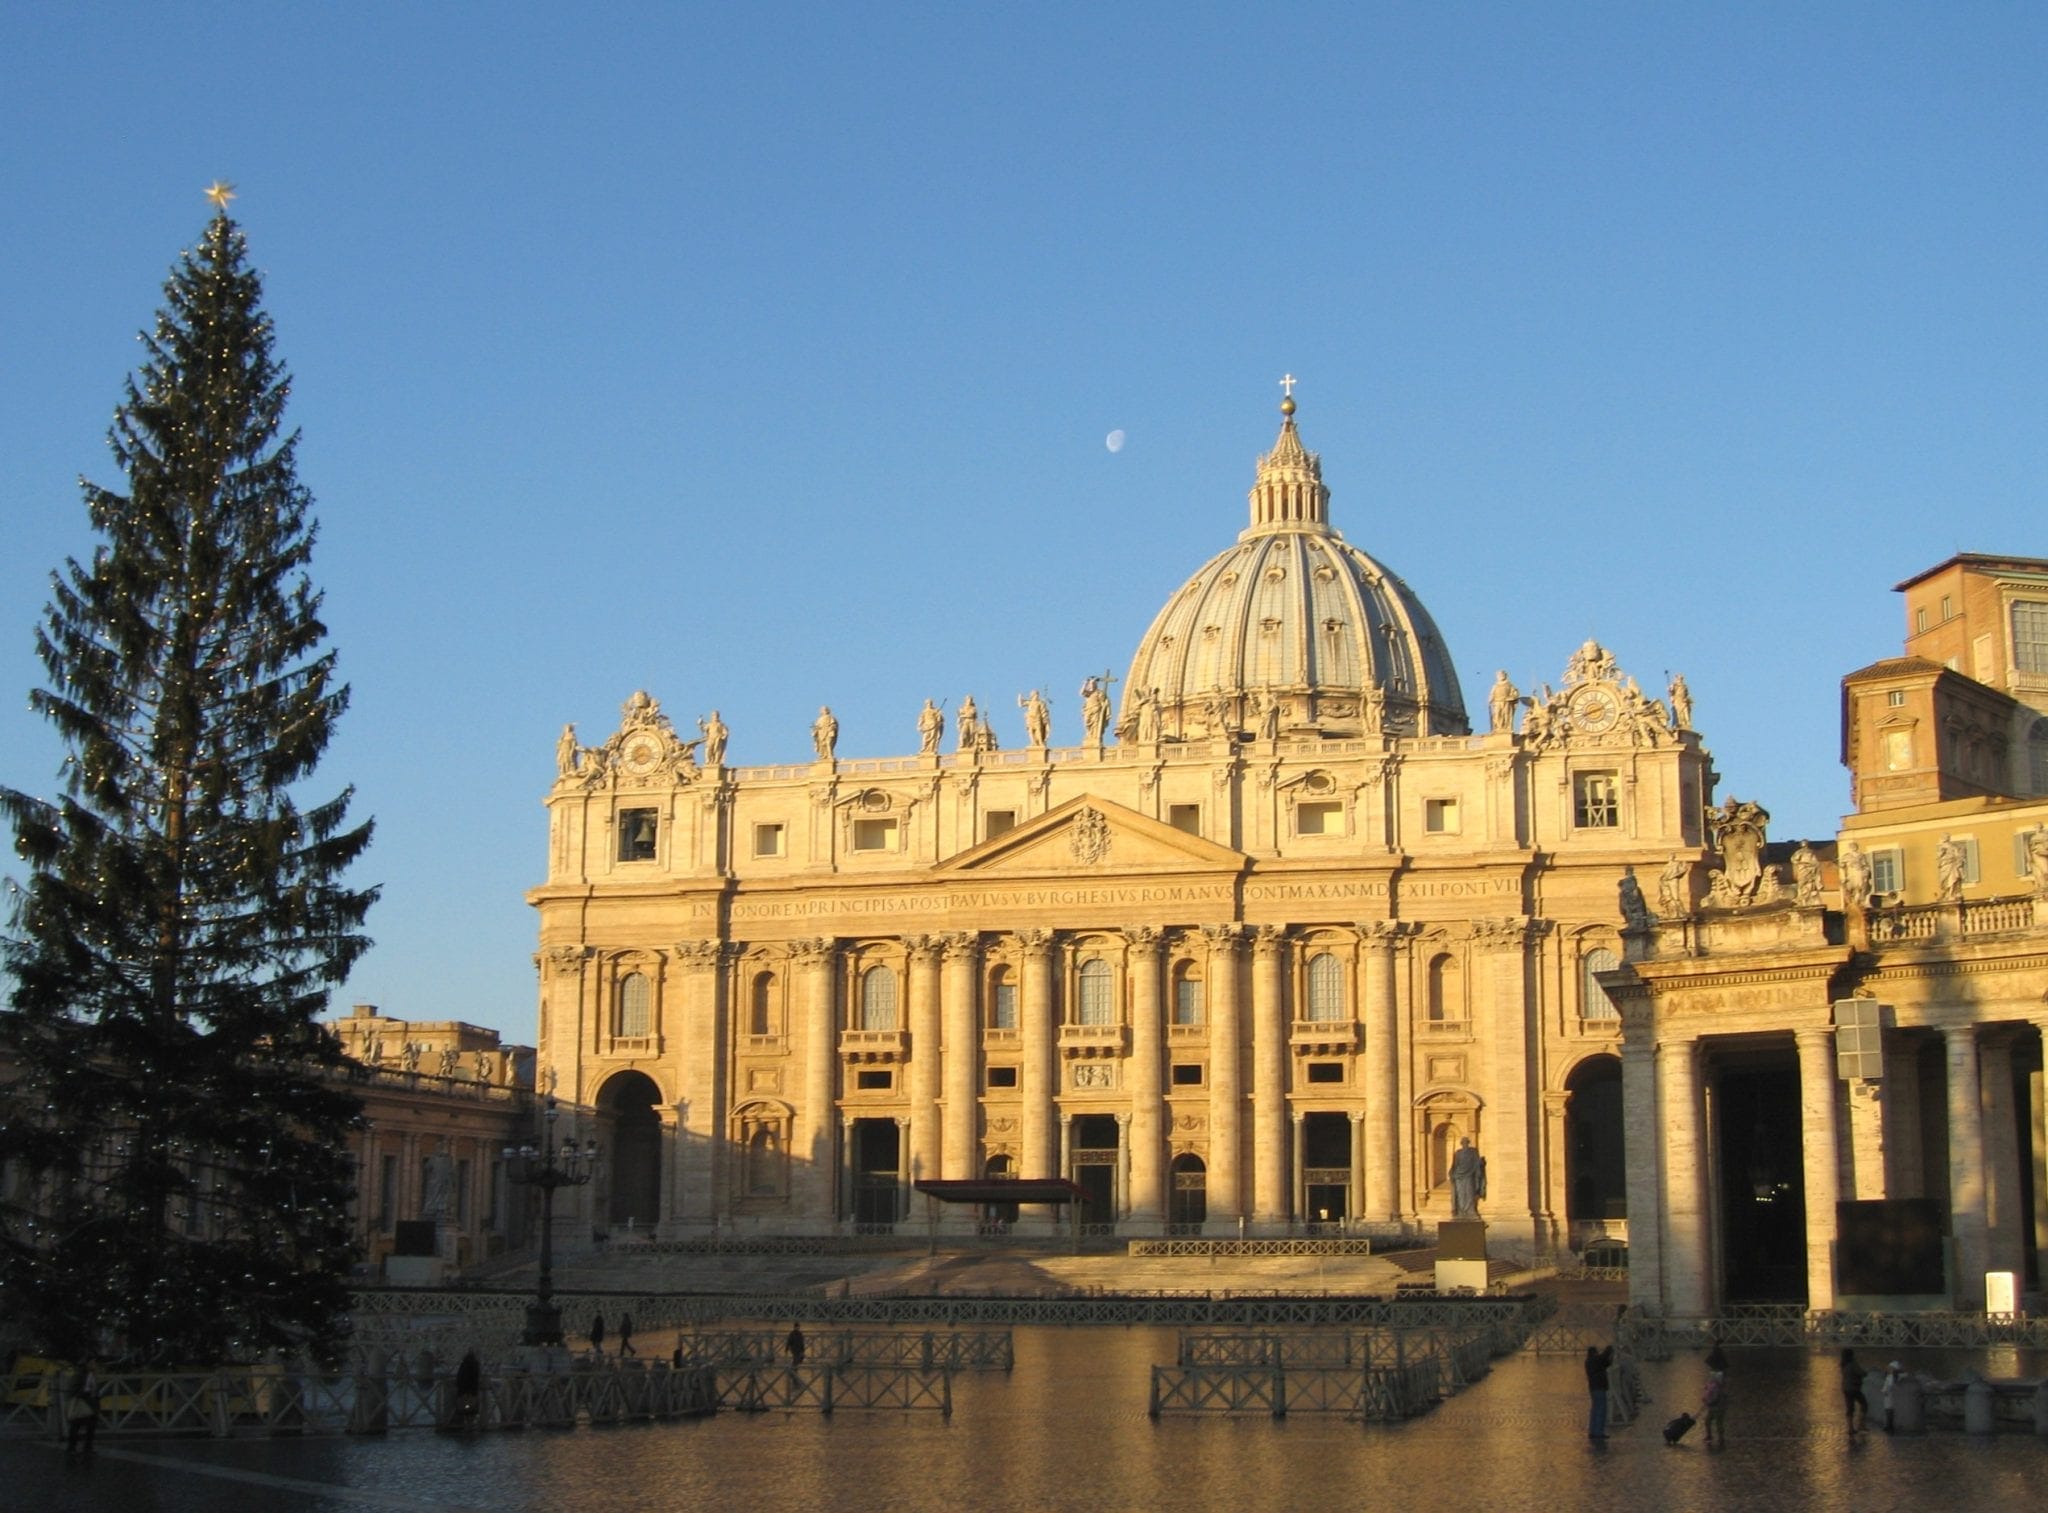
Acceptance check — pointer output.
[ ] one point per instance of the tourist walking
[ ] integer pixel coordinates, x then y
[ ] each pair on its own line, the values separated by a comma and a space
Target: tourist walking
597, 1333
1597, 1362
1892, 1373
625, 1335
1716, 1407
1852, 1389
81, 1408
794, 1344
469, 1381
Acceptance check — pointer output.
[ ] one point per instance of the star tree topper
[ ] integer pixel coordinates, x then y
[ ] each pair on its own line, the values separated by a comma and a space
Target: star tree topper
220, 193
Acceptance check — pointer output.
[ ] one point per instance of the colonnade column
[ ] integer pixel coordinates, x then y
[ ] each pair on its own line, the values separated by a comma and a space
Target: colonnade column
1643, 1157
1966, 1163
1038, 1156
2004, 1249
923, 993
963, 1105
817, 1184
1820, 1149
1269, 1077
2036, 1151
1381, 1194
701, 1097
1226, 1096
1147, 1086
1687, 1269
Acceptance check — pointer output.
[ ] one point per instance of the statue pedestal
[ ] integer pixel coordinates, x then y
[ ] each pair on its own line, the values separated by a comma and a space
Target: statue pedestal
1461, 1255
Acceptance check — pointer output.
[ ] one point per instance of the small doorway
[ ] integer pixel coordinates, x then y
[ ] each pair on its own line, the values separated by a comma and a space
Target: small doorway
1326, 1163
876, 1151
632, 1130
1188, 1206
999, 1215
1095, 1157
1595, 1170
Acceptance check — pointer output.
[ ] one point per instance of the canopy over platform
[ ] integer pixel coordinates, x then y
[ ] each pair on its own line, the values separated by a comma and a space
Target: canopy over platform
1001, 1190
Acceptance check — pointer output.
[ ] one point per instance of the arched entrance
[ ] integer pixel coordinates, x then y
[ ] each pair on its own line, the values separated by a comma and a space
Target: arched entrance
1595, 1155
1188, 1207
631, 1135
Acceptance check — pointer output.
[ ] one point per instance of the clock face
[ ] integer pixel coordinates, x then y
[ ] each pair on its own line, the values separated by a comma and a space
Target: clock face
641, 755
1596, 711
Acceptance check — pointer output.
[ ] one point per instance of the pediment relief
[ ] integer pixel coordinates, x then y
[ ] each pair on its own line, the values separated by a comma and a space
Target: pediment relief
1090, 834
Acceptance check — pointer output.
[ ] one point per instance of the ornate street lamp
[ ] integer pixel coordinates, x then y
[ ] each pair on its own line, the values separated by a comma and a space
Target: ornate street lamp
548, 1169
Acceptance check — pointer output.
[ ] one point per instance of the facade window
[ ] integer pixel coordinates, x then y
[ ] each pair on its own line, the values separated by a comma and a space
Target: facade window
1948, 607
1326, 1071
1002, 1076
636, 1007
1446, 991
1002, 1001
1186, 817
1972, 871
1319, 818
878, 999
1095, 1006
1187, 1074
998, 822
2030, 635
1325, 988
761, 1005
1187, 997
874, 1082
1919, 619
1898, 750
1593, 1000
1896, 699
637, 830
768, 840
1440, 816
2037, 757
874, 835
1887, 871
1596, 801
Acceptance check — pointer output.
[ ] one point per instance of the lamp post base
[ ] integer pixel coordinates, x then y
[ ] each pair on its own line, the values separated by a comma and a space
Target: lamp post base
543, 1324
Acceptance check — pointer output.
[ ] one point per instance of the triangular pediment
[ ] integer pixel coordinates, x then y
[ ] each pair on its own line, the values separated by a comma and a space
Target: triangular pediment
1090, 834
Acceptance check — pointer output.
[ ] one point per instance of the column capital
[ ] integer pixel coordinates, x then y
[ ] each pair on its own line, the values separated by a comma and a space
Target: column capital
813, 951
1223, 939
1959, 1034
923, 949
1384, 934
1268, 940
961, 945
1036, 942
1145, 937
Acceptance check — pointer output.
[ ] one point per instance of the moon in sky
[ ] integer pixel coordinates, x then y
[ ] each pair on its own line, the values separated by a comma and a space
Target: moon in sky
1114, 441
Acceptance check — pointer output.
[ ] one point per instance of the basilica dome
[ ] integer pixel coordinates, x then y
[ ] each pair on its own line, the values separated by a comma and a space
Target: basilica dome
1292, 631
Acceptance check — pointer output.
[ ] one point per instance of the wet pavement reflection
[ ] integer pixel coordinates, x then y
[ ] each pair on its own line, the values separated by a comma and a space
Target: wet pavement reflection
1068, 1430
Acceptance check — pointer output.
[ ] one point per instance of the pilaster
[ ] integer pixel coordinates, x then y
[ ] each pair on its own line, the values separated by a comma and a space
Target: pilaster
1966, 1163
923, 1023
814, 1184
959, 1146
1379, 1191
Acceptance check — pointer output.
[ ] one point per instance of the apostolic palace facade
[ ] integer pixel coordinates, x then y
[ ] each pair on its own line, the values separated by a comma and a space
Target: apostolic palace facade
1261, 941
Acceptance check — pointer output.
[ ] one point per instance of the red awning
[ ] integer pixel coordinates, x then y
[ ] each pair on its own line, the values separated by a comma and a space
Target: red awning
1001, 1190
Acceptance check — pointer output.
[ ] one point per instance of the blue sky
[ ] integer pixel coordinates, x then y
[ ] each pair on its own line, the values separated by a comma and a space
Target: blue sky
763, 358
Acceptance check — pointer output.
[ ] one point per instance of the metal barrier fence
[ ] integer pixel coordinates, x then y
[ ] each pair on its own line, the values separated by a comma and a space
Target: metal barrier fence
1205, 1249
980, 1350
763, 1389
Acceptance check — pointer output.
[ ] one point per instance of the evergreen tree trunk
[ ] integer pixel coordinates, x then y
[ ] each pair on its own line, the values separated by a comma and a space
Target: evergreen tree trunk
179, 1111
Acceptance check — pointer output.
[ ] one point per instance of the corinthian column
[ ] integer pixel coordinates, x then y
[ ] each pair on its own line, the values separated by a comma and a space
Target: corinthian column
1148, 1092
1037, 1156
1382, 1127
1269, 1078
816, 1184
923, 1023
1686, 1283
1226, 1095
957, 1149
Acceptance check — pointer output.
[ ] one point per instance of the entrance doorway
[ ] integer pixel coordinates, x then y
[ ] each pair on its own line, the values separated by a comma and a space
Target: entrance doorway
1762, 1180
1326, 1163
632, 1131
876, 1151
1188, 1207
1595, 1166
1095, 1157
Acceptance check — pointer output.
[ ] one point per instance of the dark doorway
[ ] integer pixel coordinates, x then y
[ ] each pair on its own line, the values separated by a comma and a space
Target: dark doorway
876, 1152
1188, 1205
1763, 1185
1595, 1153
1095, 1159
1326, 1159
999, 1169
632, 1129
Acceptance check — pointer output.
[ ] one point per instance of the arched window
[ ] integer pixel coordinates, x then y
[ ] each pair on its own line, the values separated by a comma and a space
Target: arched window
1187, 994
1096, 1007
1446, 990
1002, 1000
1593, 999
1325, 988
878, 999
761, 1006
636, 1007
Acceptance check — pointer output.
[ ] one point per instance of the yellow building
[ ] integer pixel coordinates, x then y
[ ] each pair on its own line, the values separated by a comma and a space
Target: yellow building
1256, 948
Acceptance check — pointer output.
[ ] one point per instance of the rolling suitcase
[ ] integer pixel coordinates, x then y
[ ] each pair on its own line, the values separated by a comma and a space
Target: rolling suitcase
1678, 1428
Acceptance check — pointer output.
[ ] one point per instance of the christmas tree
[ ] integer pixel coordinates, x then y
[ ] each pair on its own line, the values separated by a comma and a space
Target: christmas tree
177, 1118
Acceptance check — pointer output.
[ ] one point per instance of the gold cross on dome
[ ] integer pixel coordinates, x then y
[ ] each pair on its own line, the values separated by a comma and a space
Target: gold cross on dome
220, 193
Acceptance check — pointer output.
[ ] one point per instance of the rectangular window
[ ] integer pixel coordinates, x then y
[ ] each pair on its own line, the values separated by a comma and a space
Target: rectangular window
1948, 607
1440, 816
1002, 1076
1186, 817
998, 822
1859, 1038
1187, 1074
1002, 1012
1887, 870
874, 1082
1326, 1071
1319, 819
1187, 1001
636, 835
874, 835
2030, 635
768, 840
1596, 801
1896, 699
1972, 870
1898, 750
1920, 620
